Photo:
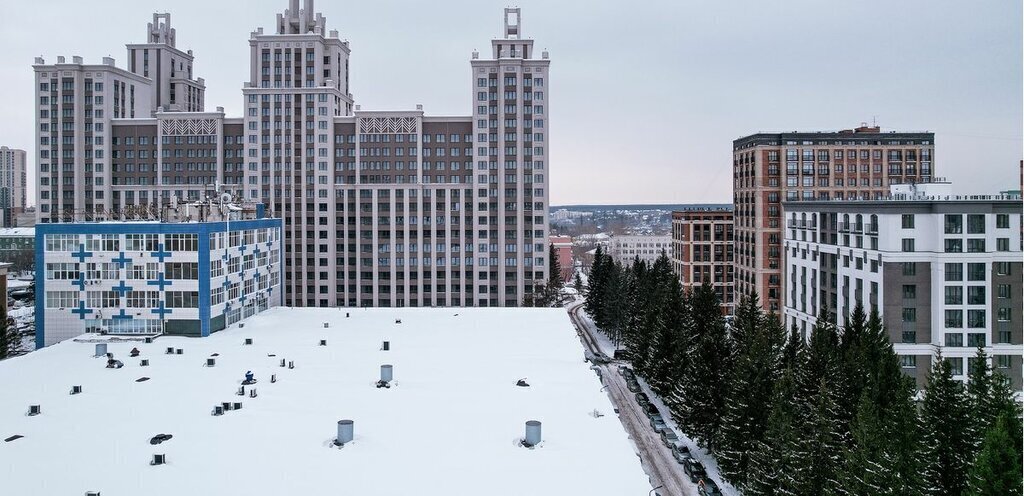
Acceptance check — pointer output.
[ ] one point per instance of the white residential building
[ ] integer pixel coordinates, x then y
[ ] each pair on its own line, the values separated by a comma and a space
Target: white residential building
944, 271
625, 248
13, 184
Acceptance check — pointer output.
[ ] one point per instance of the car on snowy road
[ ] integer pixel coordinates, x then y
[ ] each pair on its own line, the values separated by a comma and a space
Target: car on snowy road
694, 470
681, 453
707, 487
632, 386
669, 437
658, 424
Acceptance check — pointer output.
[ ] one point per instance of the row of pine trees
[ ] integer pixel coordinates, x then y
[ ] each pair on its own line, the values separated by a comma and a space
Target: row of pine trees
829, 415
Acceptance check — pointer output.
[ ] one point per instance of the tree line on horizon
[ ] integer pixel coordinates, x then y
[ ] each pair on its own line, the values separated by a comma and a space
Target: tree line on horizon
832, 414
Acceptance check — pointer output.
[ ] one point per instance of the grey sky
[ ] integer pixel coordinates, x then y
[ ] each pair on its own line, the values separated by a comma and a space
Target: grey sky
645, 97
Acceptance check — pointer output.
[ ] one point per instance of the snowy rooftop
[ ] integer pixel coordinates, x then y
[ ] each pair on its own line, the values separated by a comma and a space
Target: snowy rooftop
450, 424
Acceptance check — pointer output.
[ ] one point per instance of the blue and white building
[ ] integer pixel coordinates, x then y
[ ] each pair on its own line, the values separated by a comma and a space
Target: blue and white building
188, 278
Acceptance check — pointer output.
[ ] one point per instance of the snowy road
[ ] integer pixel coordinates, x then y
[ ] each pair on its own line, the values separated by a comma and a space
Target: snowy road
656, 459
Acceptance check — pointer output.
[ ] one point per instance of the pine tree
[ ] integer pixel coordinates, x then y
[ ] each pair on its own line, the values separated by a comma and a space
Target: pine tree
555, 281
773, 463
595, 286
945, 414
754, 371
577, 284
704, 385
10, 339
997, 469
666, 305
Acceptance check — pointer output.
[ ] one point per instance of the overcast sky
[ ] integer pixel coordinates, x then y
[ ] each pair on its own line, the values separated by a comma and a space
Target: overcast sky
645, 98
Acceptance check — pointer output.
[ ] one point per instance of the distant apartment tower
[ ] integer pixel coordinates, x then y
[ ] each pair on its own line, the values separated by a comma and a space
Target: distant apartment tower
944, 272
702, 250
77, 108
379, 208
769, 168
625, 248
13, 184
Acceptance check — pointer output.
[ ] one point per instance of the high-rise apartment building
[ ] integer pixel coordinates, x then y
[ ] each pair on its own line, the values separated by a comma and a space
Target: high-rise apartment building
13, 184
380, 208
943, 271
702, 250
769, 168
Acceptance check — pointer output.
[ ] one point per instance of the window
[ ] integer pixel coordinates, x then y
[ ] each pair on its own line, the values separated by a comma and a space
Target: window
181, 242
954, 295
143, 271
62, 271
954, 319
61, 299
954, 272
955, 340
181, 270
1002, 221
1003, 291
908, 221
1004, 314
1002, 361
954, 245
954, 224
976, 295
908, 244
976, 272
909, 315
975, 339
976, 245
1002, 244
956, 364
909, 291
909, 268
975, 319
909, 336
1002, 268
975, 224
182, 299
143, 299
908, 361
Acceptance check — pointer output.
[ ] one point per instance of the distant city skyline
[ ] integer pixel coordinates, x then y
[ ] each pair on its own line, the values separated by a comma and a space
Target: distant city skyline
648, 115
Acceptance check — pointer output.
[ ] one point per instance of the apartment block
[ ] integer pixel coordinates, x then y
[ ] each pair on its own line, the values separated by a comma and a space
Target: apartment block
13, 184
563, 250
625, 248
943, 270
769, 168
379, 207
702, 250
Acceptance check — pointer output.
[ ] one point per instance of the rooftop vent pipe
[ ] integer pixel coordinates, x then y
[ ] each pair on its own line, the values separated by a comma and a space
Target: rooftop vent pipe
236, 406
92, 493
323, 342
179, 351
144, 363
346, 431
159, 460
291, 364
101, 349
218, 410
76, 389
34, 410
532, 433
210, 362
248, 340
386, 346
386, 373
326, 325
170, 350
149, 340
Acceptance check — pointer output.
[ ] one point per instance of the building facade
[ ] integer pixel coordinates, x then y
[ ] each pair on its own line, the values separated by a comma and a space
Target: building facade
769, 168
17, 247
180, 277
13, 184
702, 250
380, 208
944, 272
625, 248
563, 250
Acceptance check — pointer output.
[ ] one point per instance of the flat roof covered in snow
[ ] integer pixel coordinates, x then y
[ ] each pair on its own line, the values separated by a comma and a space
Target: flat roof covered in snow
450, 424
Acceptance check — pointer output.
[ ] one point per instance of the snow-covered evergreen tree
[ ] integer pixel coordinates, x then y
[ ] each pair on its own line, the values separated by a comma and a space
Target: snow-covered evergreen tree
704, 384
948, 443
997, 469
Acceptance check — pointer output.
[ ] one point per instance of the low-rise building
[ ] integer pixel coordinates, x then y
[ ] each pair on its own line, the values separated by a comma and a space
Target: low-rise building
563, 250
625, 248
944, 272
17, 247
702, 244
179, 276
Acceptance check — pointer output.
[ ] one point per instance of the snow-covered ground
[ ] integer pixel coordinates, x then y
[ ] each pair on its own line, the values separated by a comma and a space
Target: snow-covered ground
449, 425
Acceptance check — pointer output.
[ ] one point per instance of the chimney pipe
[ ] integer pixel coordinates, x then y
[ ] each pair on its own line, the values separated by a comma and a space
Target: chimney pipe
532, 433
101, 349
346, 431
386, 373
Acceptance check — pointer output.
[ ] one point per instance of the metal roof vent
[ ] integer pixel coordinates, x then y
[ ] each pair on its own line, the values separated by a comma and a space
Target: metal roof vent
218, 410
291, 364
346, 432
210, 362
34, 410
326, 325
179, 351
248, 340
144, 363
170, 350
323, 342
532, 433
273, 378
283, 362
159, 460
236, 406
92, 493
226, 406
101, 349
241, 391
387, 373
386, 346
149, 340
76, 389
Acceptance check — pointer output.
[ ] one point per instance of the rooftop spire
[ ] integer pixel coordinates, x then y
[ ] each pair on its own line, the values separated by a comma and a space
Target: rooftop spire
300, 21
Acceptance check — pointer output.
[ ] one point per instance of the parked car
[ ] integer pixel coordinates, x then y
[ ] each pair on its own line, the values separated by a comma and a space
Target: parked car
694, 470
656, 418
625, 371
681, 453
669, 437
642, 398
658, 425
619, 354
707, 487
632, 386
